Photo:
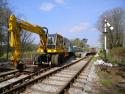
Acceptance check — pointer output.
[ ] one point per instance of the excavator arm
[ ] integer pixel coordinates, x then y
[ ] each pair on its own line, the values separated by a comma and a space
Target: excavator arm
15, 27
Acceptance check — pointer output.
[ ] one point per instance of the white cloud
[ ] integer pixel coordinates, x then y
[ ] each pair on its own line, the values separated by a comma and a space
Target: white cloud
94, 29
47, 6
83, 26
59, 1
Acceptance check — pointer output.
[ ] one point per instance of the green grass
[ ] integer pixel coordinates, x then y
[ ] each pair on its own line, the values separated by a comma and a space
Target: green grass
106, 82
94, 59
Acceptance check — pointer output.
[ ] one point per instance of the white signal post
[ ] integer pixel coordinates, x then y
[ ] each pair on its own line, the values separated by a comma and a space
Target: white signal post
105, 38
107, 24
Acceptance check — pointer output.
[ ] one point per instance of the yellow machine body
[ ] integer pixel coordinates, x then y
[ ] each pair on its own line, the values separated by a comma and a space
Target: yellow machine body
15, 27
53, 48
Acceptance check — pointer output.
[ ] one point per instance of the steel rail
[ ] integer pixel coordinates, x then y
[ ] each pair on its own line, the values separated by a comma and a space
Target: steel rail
24, 84
16, 83
7, 78
8, 73
67, 86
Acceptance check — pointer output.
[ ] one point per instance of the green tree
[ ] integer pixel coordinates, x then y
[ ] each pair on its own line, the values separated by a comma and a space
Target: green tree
79, 43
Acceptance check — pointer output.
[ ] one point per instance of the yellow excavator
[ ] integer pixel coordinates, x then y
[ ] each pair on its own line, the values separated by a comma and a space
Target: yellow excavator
15, 27
52, 50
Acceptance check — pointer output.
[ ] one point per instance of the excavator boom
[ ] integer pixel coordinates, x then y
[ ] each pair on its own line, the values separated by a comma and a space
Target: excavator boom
15, 27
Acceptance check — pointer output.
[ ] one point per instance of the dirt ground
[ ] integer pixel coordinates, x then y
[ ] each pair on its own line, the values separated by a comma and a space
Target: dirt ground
110, 80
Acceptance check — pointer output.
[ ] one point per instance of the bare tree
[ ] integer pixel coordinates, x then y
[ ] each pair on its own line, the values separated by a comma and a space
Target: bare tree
116, 18
26, 37
26, 40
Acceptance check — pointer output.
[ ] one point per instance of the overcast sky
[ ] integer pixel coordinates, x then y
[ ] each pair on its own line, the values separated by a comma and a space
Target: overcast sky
71, 18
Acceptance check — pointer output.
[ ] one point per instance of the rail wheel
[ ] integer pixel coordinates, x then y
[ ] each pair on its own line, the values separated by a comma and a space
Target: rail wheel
55, 60
62, 59
20, 66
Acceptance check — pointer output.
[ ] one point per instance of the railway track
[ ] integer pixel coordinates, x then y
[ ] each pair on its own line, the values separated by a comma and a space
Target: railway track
22, 84
15, 73
4, 76
17, 80
80, 84
58, 82
7, 75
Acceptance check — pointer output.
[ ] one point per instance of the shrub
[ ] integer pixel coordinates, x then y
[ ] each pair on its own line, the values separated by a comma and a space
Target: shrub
117, 55
102, 54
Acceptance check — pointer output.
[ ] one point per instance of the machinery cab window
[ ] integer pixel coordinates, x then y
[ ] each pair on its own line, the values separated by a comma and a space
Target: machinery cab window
55, 41
51, 41
59, 41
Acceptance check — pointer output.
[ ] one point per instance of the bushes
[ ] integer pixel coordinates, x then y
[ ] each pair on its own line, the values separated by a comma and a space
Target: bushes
102, 54
117, 55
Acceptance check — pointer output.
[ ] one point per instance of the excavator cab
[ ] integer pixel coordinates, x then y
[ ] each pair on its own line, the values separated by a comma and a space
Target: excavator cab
51, 41
55, 50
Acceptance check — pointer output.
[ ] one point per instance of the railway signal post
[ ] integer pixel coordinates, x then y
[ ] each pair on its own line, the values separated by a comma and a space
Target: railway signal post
107, 24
